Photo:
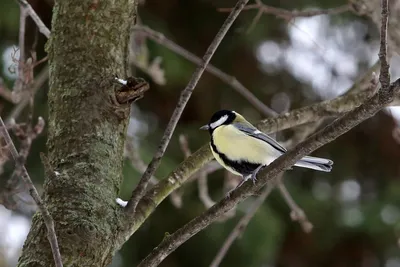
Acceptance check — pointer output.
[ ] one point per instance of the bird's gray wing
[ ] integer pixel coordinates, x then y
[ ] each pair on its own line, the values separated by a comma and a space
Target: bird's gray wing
254, 132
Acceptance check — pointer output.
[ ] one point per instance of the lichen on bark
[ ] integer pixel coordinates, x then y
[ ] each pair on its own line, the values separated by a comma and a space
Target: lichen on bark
88, 46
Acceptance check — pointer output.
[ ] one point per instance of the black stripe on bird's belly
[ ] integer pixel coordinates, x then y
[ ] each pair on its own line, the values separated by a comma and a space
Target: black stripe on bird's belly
245, 168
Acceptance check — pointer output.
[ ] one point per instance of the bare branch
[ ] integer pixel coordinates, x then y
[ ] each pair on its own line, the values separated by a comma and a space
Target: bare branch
384, 77
256, 19
42, 27
48, 220
184, 98
133, 155
230, 80
202, 177
297, 213
208, 168
315, 112
26, 136
19, 83
184, 143
5, 92
288, 15
37, 84
176, 196
21, 38
26, 133
203, 191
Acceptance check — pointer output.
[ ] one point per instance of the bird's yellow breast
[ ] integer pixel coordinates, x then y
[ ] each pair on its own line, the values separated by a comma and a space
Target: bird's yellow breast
220, 161
238, 146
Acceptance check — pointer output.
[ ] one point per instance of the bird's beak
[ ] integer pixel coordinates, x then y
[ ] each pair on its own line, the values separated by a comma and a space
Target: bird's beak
205, 127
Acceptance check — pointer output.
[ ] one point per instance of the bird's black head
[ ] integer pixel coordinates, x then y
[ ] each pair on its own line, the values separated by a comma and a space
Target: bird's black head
221, 117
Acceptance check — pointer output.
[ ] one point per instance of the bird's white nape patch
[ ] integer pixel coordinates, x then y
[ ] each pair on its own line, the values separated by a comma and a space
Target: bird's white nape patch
257, 132
219, 122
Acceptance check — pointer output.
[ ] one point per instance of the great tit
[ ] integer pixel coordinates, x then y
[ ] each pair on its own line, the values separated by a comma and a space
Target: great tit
243, 149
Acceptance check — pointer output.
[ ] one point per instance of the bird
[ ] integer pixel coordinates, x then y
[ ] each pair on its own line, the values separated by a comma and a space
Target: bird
243, 149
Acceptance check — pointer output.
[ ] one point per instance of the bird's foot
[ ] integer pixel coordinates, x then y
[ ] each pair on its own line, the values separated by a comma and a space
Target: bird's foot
252, 176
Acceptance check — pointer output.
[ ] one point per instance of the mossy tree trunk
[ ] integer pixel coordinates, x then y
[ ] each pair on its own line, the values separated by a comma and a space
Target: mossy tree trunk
88, 46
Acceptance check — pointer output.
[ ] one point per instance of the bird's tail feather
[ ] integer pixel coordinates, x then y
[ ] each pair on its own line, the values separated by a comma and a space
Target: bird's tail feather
314, 163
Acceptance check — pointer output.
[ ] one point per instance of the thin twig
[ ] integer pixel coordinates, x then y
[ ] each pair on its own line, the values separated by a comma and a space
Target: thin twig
384, 76
240, 226
26, 136
208, 168
40, 61
202, 177
132, 153
21, 38
296, 213
288, 14
230, 80
256, 19
184, 98
26, 133
5, 92
203, 190
19, 84
48, 220
41, 78
42, 27
184, 144
270, 174
176, 196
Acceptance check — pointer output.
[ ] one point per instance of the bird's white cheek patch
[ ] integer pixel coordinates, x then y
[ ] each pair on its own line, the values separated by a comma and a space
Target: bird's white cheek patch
219, 122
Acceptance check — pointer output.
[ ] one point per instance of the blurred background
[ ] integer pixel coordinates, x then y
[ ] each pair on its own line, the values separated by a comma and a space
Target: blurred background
354, 209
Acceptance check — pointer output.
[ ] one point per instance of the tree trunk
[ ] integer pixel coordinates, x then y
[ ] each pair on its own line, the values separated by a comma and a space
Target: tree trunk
88, 46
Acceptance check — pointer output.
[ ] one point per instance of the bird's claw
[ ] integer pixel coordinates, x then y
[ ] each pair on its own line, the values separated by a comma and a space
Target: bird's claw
254, 178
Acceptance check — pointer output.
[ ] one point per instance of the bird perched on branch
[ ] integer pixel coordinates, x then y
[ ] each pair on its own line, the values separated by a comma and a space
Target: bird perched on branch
243, 149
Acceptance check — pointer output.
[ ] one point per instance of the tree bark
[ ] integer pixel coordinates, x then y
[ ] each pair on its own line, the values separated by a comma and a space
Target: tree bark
88, 46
